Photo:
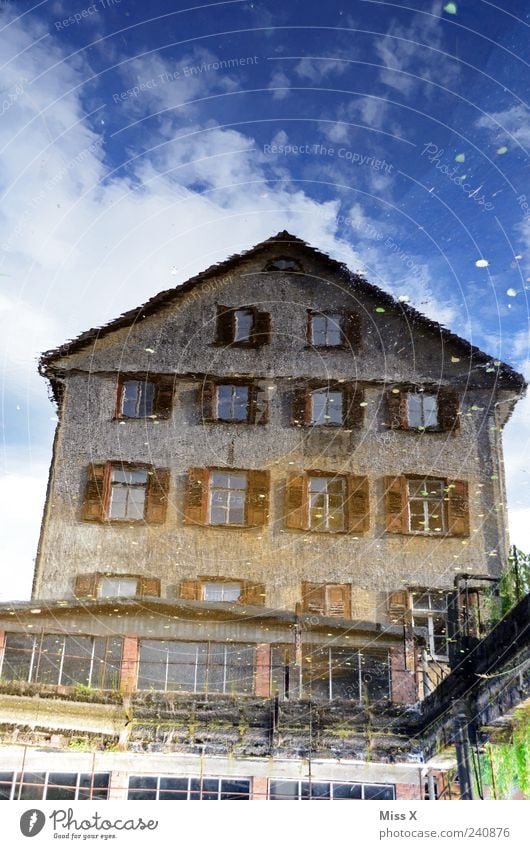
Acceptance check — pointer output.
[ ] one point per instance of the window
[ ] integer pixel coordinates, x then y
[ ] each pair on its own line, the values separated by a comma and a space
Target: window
232, 403
340, 329
242, 326
221, 590
56, 659
127, 493
341, 673
327, 503
154, 787
422, 410
326, 407
298, 790
283, 263
54, 785
118, 587
227, 497
145, 397
429, 621
196, 667
108, 585
327, 599
426, 506
123, 492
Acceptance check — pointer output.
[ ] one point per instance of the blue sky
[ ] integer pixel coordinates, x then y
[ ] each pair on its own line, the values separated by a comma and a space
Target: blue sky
140, 145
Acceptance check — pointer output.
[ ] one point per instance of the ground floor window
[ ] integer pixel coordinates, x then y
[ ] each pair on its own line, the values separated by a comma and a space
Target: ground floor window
329, 790
68, 660
155, 787
196, 667
54, 785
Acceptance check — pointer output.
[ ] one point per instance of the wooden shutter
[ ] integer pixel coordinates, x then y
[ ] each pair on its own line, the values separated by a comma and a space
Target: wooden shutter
261, 334
357, 504
207, 401
300, 409
458, 508
196, 498
258, 485
148, 586
313, 598
396, 505
258, 405
295, 506
353, 413
252, 593
396, 409
86, 586
338, 600
163, 397
397, 605
157, 496
351, 330
94, 501
448, 409
226, 325
191, 590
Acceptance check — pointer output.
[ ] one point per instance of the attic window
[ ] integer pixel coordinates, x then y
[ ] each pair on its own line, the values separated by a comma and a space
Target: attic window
283, 263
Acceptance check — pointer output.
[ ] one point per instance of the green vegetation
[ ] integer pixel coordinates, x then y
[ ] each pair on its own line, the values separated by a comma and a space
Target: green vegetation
505, 766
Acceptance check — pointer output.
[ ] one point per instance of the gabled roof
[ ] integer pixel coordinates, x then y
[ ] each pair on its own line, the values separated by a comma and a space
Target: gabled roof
505, 375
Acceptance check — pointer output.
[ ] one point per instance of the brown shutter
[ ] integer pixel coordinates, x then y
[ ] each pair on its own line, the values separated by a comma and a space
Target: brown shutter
262, 329
196, 498
190, 590
252, 593
148, 586
357, 504
397, 605
339, 600
225, 325
208, 401
157, 496
258, 485
93, 509
86, 586
351, 330
448, 409
258, 405
163, 397
396, 409
396, 505
353, 412
458, 508
313, 598
300, 410
309, 327
295, 497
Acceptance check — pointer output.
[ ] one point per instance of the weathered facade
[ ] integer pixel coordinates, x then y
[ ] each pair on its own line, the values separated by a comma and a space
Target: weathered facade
264, 484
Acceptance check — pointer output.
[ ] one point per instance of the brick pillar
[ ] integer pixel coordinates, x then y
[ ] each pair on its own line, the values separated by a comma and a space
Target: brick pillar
129, 664
118, 785
403, 680
408, 791
259, 788
263, 670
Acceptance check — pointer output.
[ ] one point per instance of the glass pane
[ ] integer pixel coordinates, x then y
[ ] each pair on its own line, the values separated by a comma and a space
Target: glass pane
195, 788
152, 665
121, 474
106, 668
418, 521
383, 792
344, 674
315, 674
216, 669
210, 789
117, 587
77, 661
32, 785
347, 791
430, 410
234, 789
6, 782
283, 790
118, 502
420, 601
240, 662
438, 600
135, 503
316, 790
244, 319
61, 785
333, 330
49, 660
99, 783
375, 676
232, 402
173, 788
131, 390
142, 787
414, 404
17, 657
222, 591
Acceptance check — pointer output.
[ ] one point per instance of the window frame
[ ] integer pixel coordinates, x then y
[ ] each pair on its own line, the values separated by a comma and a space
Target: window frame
120, 485
189, 791
259, 331
326, 508
359, 654
229, 490
17, 784
235, 386
421, 395
430, 613
442, 502
142, 382
339, 318
198, 667
221, 583
301, 782
327, 391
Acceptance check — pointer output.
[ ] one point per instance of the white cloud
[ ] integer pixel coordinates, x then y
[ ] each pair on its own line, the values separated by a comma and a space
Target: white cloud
280, 84
513, 123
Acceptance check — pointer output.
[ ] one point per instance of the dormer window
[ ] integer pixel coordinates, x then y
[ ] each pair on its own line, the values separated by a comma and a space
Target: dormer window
245, 327
333, 329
